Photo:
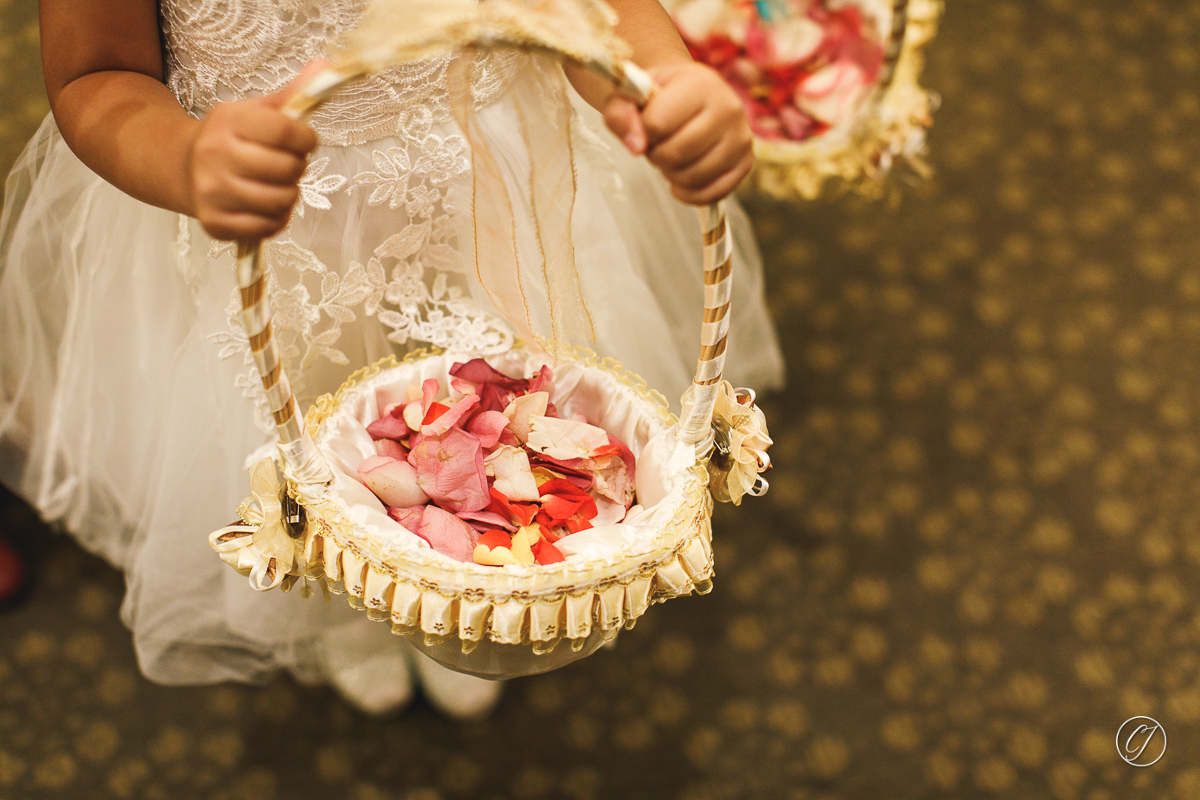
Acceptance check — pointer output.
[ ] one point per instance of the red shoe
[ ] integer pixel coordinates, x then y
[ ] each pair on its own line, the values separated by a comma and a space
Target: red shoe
12, 573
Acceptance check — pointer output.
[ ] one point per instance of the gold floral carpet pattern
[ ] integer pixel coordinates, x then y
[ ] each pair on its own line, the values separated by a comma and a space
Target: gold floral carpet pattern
981, 549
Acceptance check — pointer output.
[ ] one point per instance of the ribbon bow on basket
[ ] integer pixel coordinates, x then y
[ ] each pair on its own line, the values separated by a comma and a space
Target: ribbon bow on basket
520, 520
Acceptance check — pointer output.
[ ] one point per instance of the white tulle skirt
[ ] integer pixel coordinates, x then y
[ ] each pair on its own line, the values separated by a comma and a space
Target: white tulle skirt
120, 420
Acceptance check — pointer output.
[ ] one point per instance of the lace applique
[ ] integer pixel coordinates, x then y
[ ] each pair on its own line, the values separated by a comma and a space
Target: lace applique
314, 185
226, 50
411, 282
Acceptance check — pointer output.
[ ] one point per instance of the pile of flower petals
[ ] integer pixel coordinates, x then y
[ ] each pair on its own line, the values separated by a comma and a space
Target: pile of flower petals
491, 473
799, 66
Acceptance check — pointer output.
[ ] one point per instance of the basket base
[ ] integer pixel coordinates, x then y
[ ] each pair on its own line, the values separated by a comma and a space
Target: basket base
503, 661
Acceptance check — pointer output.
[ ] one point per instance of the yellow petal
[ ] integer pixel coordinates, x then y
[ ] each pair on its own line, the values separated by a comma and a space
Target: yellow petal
493, 557
522, 543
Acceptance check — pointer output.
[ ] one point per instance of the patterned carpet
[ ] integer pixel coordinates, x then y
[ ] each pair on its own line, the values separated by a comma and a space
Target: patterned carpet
979, 553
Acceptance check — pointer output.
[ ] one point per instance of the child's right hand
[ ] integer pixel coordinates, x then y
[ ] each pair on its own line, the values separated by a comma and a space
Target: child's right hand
245, 164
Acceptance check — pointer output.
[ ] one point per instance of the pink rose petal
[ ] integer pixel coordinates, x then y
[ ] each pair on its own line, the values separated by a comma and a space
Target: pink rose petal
449, 419
448, 534
488, 425
449, 468
390, 426
394, 482
429, 390
409, 518
486, 520
543, 381
479, 372
391, 449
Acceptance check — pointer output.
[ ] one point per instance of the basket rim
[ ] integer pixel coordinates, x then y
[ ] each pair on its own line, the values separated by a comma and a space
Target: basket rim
533, 580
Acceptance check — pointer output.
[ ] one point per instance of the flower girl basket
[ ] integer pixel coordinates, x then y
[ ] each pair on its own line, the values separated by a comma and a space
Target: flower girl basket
318, 523
866, 55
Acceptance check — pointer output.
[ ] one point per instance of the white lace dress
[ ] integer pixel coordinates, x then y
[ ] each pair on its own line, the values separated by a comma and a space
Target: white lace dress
128, 403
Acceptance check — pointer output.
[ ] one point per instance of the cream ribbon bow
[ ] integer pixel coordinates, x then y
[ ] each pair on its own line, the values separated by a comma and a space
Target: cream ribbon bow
740, 446
261, 547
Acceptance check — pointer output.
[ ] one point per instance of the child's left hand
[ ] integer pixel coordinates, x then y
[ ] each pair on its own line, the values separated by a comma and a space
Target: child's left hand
693, 129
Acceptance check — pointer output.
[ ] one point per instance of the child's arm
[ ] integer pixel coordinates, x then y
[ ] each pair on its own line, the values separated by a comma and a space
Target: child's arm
694, 128
236, 170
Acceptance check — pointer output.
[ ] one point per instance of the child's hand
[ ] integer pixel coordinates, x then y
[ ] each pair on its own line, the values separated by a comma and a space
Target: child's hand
245, 165
693, 129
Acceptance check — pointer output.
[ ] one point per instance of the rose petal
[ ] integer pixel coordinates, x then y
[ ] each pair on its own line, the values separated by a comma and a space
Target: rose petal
557, 510
479, 372
574, 470
564, 438
494, 398
429, 390
524, 408
522, 544
513, 477
388, 398
542, 382
450, 417
546, 553
488, 425
391, 449
390, 425
607, 512
413, 414
409, 518
448, 534
449, 468
490, 519
492, 549
394, 482
518, 513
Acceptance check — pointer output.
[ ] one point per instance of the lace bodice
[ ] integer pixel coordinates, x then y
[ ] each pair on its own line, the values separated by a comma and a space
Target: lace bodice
223, 50
373, 250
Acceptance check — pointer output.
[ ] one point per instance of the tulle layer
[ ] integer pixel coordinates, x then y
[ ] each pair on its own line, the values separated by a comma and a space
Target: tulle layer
120, 420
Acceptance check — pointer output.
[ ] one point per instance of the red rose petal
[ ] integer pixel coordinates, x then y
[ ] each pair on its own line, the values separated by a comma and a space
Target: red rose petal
480, 372
518, 513
494, 539
546, 553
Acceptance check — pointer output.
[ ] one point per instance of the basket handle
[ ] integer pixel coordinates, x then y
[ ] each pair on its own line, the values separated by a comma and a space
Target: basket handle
891, 54
304, 464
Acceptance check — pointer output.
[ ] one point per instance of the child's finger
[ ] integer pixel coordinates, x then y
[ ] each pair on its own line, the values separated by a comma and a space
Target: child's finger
723, 154
686, 146
670, 109
268, 165
266, 126
241, 225
622, 117
720, 188
263, 199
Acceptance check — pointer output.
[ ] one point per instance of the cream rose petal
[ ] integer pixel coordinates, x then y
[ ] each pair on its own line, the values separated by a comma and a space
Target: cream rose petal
514, 478
565, 438
522, 409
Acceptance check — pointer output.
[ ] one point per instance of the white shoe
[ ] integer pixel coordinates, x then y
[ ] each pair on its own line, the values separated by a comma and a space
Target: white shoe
455, 695
370, 672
